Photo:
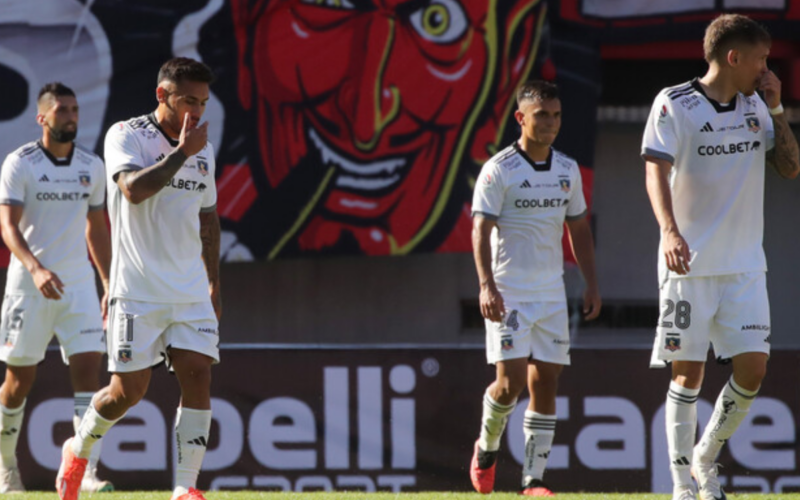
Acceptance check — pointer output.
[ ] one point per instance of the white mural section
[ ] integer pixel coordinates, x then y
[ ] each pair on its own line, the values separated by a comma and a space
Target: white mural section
55, 40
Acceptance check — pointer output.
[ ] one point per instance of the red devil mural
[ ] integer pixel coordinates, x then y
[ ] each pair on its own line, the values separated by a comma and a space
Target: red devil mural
370, 119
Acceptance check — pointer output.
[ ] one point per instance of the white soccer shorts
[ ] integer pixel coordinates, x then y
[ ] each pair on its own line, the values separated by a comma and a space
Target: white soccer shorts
730, 311
30, 321
536, 330
140, 334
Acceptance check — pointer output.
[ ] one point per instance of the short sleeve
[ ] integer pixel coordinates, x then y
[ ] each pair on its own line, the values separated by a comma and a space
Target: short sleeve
98, 195
209, 203
661, 137
489, 194
122, 150
576, 208
12, 181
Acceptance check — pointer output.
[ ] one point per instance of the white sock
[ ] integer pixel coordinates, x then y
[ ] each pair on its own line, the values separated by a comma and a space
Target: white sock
191, 435
493, 422
539, 430
731, 407
681, 420
10, 427
82, 402
93, 427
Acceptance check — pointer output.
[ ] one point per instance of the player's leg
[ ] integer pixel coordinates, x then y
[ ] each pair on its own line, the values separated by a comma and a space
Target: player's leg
550, 355
733, 403
499, 401
27, 326
539, 425
193, 421
742, 334
134, 346
79, 328
16, 386
194, 348
84, 369
107, 408
682, 339
508, 348
680, 415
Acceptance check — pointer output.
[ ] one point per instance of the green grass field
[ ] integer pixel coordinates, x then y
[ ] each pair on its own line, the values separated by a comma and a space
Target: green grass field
248, 495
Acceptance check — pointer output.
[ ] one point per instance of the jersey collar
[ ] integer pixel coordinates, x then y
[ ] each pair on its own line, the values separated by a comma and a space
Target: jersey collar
719, 108
55, 161
539, 167
172, 142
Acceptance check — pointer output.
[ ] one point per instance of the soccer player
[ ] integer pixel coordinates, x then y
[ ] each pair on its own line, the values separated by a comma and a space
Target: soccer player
165, 288
706, 145
523, 196
52, 195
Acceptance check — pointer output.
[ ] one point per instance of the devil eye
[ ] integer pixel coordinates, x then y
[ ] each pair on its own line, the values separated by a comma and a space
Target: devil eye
440, 21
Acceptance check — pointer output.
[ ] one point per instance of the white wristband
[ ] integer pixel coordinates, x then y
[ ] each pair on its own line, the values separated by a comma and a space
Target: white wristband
777, 110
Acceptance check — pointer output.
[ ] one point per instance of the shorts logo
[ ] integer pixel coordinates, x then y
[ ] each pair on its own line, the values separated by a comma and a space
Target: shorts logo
512, 321
564, 185
758, 328
506, 343
124, 355
753, 124
673, 344
487, 179
85, 180
663, 113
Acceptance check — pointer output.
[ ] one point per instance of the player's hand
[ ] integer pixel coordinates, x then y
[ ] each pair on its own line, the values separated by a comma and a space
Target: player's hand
591, 303
492, 306
676, 251
48, 283
193, 139
216, 300
771, 87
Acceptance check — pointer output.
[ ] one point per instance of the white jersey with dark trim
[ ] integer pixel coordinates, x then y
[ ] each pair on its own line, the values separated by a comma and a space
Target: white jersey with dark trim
157, 251
530, 202
717, 180
56, 194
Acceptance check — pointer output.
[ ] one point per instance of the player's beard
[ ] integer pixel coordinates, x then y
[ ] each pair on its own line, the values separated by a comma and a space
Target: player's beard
61, 135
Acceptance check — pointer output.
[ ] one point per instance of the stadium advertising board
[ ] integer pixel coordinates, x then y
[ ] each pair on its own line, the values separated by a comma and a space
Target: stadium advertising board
406, 420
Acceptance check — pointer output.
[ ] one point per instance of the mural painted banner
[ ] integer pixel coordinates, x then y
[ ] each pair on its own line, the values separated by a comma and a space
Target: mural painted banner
341, 127
406, 420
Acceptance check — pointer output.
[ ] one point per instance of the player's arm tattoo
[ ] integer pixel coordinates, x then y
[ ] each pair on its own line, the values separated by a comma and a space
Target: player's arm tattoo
785, 156
210, 236
139, 185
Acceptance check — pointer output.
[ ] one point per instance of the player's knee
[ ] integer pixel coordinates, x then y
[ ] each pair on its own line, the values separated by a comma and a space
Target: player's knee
195, 374
126, 393
751, 378
509, 388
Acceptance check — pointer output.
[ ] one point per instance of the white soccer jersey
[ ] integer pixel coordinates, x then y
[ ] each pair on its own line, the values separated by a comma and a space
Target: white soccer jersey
717, 180
56, 194
529, 202
157, 252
